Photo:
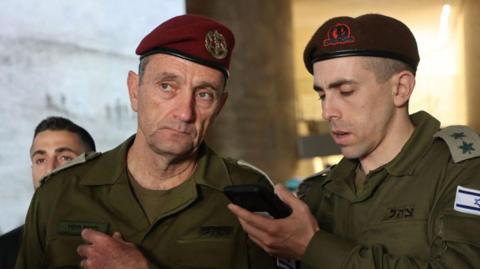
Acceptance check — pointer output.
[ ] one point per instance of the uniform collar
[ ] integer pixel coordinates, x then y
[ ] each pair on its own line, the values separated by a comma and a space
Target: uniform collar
418, 143
211, 169
402, 165
109, 167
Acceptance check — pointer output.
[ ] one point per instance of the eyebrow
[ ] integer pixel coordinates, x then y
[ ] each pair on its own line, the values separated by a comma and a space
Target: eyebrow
57, 150
205, 84
172, 76
167, 75
335, 84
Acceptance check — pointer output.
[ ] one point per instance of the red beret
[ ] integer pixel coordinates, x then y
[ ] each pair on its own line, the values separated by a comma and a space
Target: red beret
192, 37
368, 35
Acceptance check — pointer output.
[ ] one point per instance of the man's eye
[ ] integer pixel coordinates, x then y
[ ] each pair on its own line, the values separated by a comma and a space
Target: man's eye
166, 87
346, 93
39, 161
206, 95
66, 158
321, 97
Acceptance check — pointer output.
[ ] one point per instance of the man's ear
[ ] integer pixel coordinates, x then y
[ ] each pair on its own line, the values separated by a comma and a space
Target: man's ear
403, 84
132, 83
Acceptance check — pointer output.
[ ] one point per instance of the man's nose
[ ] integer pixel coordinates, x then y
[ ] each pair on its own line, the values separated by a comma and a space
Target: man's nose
185, 110
51, 165
330, 109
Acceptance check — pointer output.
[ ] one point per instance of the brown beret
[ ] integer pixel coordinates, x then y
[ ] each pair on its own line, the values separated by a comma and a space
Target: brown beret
194, 38
368, 35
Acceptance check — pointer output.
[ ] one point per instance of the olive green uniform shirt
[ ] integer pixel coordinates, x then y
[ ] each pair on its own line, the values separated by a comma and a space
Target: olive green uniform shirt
404, 216
194, 229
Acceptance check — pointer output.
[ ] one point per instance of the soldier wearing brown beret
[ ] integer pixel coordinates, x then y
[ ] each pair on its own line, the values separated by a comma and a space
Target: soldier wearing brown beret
407, 193
156, 200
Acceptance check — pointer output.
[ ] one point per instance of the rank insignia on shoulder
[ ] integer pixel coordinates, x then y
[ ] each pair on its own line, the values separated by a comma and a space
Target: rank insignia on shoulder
463, 142
467, 201
76, 227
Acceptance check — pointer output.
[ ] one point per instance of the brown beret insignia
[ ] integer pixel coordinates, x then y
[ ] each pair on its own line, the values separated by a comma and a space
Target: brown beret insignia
339, 34
372, 35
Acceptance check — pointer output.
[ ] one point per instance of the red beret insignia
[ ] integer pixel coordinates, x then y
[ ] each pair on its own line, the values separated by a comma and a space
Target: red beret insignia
216, 45
192, 37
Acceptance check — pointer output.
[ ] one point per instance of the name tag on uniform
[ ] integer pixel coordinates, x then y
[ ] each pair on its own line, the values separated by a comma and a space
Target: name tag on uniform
216, 231
76, 227
467, 201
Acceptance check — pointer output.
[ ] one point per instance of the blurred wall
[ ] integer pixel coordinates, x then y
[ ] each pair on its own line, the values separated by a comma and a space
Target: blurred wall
258, 122
472, 61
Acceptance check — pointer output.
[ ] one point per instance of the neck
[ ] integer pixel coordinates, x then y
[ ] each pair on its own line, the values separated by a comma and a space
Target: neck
157, 171
399, 131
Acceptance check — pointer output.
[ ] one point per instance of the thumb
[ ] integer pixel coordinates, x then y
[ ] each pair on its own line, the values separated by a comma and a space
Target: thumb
119, 238
285, 195
90, 235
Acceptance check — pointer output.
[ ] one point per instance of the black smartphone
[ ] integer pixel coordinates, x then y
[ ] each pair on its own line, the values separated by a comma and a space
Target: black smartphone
258, 199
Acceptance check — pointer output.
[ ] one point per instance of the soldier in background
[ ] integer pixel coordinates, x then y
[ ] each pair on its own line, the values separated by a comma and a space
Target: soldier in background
56, 141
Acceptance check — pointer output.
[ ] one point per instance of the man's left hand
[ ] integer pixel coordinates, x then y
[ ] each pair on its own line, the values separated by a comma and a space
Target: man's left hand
102, 251
288, 237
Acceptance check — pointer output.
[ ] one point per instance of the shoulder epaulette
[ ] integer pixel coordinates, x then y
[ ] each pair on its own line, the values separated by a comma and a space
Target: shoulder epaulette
463, 142
251, 166
82, 158
307, 182
322, 173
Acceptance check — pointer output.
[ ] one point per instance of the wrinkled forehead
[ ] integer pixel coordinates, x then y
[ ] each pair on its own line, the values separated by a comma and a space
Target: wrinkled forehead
164, 66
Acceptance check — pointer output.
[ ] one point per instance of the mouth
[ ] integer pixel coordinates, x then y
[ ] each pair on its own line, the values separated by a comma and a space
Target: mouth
340, 137
179, 131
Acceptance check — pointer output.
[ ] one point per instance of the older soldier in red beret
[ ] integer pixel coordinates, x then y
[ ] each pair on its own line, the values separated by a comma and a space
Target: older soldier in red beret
156, 200
407, 193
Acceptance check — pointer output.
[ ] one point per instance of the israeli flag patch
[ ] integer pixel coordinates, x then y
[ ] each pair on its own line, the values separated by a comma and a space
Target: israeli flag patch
467, 201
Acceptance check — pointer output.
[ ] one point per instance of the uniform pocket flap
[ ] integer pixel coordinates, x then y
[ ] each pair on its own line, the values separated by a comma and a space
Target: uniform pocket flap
62, 251
460, 227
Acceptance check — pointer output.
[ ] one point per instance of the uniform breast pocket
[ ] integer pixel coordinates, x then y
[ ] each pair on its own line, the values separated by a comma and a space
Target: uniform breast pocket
62, 251
402, 237
203, 253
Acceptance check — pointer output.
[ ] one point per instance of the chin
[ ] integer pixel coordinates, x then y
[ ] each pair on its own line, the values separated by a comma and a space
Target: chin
175, 148
350, 153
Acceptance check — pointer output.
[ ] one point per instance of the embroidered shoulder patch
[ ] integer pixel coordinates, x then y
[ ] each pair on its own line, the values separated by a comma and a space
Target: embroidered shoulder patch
251, 166
467, 201
82, 158
463, 142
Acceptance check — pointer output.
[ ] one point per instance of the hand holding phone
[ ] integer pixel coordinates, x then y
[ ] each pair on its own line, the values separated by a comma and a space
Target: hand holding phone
258, 199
